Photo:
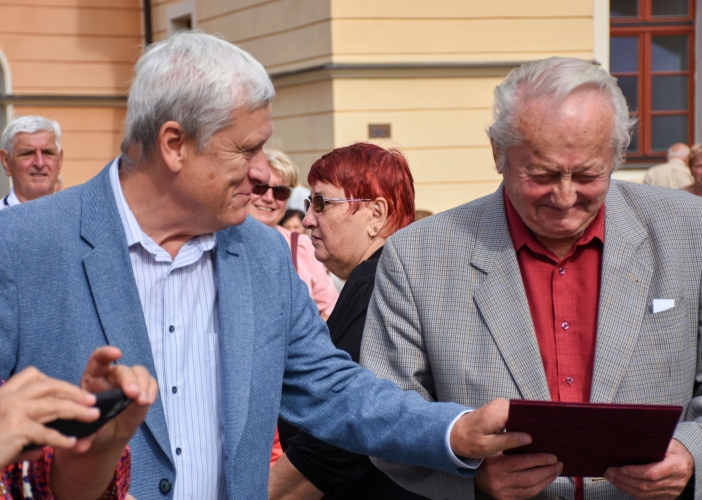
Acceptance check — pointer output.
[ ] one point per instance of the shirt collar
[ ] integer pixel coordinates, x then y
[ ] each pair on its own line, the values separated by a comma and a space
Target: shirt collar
133, 231
12, 199
522, 235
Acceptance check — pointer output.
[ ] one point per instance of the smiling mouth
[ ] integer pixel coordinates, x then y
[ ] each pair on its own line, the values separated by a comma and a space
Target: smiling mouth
265, 209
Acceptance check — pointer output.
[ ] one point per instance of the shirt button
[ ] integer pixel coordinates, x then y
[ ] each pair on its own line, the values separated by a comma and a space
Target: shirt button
562, 271
164, 485
174, 389
171, 328
565, 325
569, 380
178, 451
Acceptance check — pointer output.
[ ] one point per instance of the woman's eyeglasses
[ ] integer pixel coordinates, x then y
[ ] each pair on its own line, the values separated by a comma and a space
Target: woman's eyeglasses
280, 193
318, 202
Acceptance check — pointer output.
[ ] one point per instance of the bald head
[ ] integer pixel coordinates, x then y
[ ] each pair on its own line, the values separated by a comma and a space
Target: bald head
680, 151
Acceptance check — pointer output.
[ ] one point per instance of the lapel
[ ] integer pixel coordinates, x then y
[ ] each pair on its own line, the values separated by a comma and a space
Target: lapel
236, 320
502, 301
109, 272
626, 277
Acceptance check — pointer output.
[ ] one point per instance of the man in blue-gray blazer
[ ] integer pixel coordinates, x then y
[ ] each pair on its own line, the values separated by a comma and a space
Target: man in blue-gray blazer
155, 255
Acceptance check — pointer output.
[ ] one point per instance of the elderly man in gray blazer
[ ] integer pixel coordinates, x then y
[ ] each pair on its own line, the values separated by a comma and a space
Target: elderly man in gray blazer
562, 285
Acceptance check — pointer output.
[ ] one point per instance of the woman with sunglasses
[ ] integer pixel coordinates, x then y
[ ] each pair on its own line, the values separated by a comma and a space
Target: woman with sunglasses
268, 204
361, 194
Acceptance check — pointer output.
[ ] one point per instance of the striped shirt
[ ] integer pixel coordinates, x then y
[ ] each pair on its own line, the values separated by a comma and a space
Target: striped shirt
179, 301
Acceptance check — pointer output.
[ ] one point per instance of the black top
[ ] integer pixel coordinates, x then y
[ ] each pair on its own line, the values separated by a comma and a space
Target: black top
338, 473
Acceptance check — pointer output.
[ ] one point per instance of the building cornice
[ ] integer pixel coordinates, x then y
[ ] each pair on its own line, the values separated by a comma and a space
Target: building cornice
395, 70
111, 101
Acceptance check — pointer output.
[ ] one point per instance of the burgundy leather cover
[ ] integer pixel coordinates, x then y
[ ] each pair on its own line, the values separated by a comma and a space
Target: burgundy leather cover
590, 437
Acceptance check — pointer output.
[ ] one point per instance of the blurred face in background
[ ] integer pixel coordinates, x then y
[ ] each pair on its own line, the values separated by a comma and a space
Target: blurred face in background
294, 225
34, 164
266, 208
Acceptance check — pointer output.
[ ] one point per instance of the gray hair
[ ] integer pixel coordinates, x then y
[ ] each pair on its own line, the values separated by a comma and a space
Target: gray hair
30, 124
196, 80
555, 77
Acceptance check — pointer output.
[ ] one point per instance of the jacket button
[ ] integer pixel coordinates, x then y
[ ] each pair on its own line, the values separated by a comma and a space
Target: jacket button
164, 485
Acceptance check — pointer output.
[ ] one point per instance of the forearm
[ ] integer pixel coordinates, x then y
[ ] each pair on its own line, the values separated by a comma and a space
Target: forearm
285, 482
78, 476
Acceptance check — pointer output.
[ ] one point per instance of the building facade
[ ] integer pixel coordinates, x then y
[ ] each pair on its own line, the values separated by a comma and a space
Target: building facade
70, 60
410, 74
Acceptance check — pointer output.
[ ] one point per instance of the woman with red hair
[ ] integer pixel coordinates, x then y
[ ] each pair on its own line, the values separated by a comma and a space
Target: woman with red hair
360, 195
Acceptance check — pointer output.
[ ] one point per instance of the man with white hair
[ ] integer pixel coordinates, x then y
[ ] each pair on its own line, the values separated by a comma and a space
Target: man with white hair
673, 174
156, 255
31, 154
548, 290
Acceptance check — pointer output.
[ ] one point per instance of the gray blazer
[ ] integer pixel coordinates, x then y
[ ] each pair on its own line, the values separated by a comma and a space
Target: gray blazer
67, 287
449, 318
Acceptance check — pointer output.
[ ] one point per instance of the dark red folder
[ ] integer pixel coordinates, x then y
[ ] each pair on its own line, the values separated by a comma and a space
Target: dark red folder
590, 437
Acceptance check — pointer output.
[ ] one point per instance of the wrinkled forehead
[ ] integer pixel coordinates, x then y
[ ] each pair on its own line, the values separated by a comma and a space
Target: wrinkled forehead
35, 140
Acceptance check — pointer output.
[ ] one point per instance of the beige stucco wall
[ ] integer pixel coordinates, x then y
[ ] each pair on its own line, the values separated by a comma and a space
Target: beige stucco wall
73, 47
438, 121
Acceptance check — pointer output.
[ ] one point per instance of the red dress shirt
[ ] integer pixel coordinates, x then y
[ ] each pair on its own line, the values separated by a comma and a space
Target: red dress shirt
563, 296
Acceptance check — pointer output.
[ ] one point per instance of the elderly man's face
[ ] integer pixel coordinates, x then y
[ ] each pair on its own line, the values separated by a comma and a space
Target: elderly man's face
559, 177
34, 164
215, 184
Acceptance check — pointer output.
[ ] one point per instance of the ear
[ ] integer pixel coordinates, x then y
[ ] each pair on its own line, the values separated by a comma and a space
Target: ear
379, 216
172, 144
496, 153
60, 161
5, 160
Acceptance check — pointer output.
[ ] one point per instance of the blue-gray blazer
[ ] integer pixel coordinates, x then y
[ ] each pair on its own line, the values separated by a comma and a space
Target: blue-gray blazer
67, 287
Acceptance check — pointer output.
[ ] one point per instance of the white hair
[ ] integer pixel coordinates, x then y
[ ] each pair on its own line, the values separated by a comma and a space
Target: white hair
557, 78
30, 124
196, 80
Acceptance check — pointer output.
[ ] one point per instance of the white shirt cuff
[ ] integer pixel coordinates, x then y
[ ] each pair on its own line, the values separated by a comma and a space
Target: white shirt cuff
461, 463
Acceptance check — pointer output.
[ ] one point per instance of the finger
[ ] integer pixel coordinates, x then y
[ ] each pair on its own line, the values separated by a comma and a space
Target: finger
504, 441
541, 485
147, 385
537, 475
58, 389
123, 377
35, 433
48, 409
521, 462
100, 361
21, 379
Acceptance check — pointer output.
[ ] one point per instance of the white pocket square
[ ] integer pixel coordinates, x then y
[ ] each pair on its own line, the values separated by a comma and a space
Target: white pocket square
660, 305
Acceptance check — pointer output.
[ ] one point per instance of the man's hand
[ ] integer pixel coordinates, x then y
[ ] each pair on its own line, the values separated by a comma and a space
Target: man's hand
84, 472
479, 434
30, 399
101, 375
517, 476
661, 480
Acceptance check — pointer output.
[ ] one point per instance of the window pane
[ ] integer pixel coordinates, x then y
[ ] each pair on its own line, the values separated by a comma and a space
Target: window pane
670, 8
624, 54
624, 8
630, 89
669, 53
634, 144
668, 92
667, 130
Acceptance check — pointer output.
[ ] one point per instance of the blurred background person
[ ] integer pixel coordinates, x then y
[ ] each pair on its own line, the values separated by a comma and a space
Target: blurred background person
694, 161
674, 173
361, 194
267, 205
65, 468
292, 221
31, 154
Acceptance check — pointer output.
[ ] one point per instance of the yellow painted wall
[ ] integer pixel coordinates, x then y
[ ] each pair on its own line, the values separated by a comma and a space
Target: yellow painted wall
74, 47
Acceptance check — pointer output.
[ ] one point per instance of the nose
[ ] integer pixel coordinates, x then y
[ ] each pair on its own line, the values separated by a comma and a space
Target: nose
565, 194
310, 220
259, 172
268, 196
38, 159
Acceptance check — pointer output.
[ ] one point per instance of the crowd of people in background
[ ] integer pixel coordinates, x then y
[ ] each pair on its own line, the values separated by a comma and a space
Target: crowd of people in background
335, 342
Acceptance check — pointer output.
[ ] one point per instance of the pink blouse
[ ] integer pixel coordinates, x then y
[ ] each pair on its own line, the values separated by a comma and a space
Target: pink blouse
312, 272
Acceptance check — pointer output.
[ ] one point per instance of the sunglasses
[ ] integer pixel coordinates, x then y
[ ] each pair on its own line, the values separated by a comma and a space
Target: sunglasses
280, 193
318, 202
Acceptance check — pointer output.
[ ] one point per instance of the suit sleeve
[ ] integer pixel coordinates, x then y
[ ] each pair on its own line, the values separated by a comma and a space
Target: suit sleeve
393, 348
8, 313
328, 395
689, 432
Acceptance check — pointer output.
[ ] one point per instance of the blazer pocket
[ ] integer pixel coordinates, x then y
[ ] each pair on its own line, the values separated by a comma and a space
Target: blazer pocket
269, 331
674, 316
